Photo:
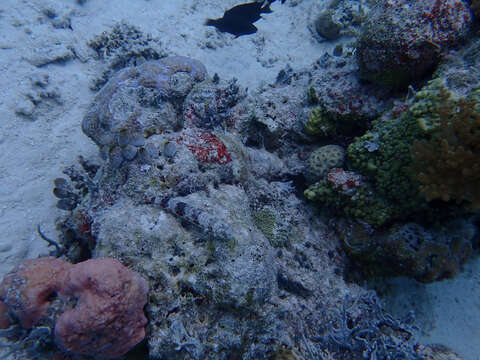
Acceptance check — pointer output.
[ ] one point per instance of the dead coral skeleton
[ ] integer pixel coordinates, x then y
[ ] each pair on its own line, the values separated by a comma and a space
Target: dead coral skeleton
34, 341
361, 326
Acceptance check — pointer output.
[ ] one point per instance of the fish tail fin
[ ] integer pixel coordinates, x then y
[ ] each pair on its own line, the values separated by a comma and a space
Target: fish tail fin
210, 22
266, 9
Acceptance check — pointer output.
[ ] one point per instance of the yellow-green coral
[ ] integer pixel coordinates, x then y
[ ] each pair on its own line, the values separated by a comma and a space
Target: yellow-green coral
426, 105
320, 123
443, 162
265, 221
277, 234
383, 156
361, 204
388, 164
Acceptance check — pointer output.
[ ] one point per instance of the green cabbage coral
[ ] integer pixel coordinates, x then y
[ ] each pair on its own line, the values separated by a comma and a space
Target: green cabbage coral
383, 156
321, 123
403, 179
447, 165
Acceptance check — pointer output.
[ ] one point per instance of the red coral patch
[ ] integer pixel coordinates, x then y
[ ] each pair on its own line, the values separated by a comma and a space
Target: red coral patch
206, 147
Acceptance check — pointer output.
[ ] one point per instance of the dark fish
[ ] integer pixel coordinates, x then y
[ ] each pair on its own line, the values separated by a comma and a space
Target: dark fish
239, 19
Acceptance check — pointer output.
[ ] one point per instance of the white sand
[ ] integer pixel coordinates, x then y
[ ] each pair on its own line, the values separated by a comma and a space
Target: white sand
34, 151
447, 312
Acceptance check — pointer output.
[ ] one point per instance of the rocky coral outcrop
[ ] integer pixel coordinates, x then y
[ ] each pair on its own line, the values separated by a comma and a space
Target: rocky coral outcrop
402, 41
419, 162
237, 262
138, 102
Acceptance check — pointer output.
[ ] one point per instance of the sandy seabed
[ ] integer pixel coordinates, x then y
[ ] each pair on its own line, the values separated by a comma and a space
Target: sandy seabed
42, 105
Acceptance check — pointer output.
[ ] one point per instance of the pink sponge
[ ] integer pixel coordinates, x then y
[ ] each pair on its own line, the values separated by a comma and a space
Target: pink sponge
108, 318
27, 289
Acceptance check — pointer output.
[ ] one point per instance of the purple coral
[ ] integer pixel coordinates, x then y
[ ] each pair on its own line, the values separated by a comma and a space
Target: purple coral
159, 73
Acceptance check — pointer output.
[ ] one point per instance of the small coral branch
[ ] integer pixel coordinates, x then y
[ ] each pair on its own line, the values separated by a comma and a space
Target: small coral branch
59, 250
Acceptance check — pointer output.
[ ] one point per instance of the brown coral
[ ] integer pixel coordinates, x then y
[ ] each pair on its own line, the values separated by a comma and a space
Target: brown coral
447, 166
107, 319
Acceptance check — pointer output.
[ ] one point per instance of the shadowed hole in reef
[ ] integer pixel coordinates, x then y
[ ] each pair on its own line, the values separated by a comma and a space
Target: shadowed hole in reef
51, 296
138, 352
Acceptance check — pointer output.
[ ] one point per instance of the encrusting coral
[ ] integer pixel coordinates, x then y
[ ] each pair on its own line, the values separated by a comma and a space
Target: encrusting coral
107, 319
447, 166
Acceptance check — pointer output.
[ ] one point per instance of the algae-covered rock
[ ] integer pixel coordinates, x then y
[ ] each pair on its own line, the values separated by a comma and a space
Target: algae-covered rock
327, 26
340, 18
336, 87
402, 41
211, 104
424, 253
